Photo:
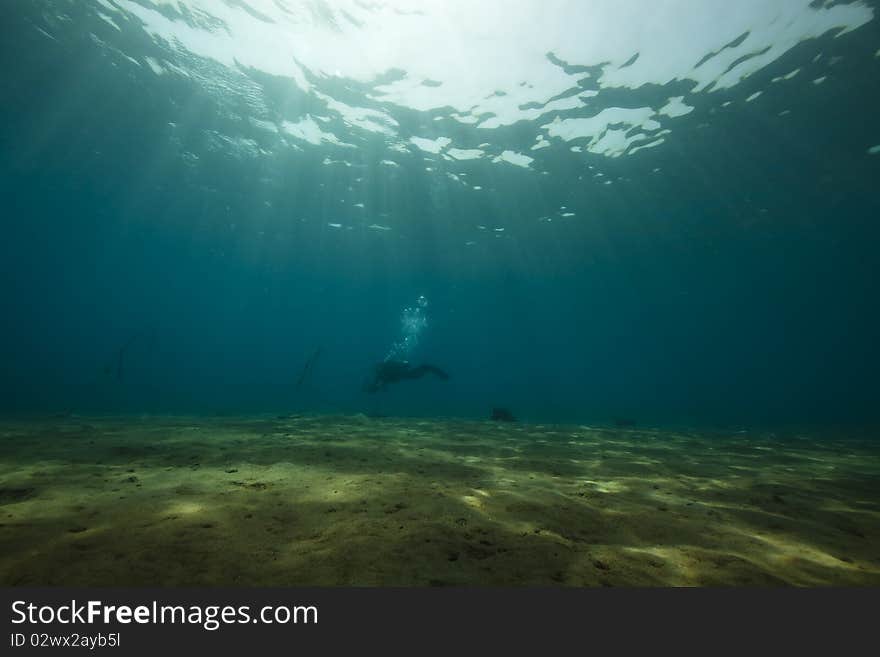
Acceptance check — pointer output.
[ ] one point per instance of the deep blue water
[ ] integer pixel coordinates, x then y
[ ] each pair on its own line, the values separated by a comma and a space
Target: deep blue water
736, 286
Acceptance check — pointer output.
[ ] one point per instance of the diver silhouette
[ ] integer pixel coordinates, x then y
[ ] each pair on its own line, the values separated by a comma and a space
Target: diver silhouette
393, 371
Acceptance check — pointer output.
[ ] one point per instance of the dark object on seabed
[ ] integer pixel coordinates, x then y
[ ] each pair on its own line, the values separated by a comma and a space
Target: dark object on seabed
624, 422
502, 415
393, 371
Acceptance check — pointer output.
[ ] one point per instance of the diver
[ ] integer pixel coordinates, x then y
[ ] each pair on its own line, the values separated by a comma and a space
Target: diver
392, 371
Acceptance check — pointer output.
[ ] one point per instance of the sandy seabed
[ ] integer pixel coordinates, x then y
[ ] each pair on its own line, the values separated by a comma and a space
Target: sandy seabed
350, 500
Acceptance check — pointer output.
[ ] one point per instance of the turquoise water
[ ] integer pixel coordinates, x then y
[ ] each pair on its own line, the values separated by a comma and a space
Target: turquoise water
611, 211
